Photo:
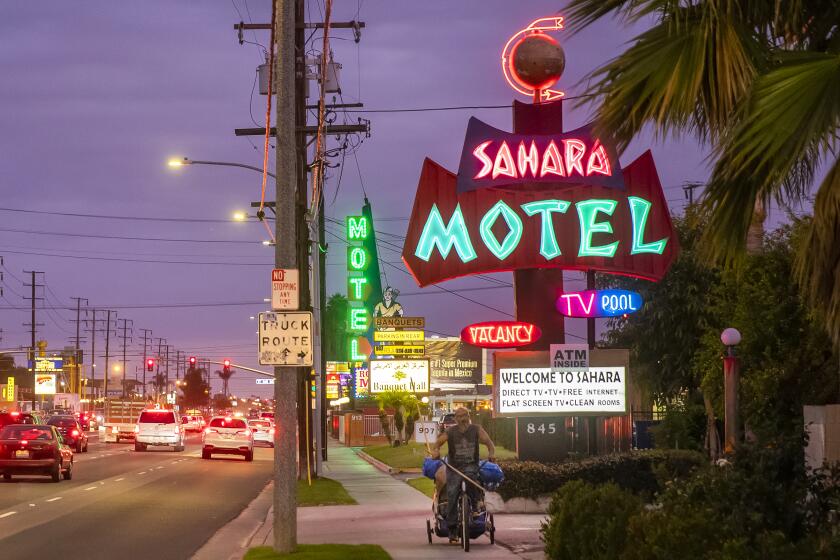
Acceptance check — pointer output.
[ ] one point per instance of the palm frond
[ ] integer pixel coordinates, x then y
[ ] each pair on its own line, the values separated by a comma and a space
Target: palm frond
818, 257
687, 73
790, 121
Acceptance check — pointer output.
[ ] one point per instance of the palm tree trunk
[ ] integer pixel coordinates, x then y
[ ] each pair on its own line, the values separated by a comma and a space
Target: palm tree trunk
755, 235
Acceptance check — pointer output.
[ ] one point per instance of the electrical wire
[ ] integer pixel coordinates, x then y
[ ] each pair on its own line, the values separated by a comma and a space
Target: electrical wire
129, 238
151, 261
115, 217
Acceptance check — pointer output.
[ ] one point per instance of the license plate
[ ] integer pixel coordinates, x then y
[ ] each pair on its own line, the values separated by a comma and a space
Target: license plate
226, 436
21, 454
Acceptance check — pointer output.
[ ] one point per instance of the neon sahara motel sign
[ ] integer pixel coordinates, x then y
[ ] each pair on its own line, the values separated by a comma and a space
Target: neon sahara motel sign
501, 334
599, 303
358, 289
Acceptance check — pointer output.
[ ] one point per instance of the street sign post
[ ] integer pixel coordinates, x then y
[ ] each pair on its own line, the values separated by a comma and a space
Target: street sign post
285, 339
265, 381
285, 289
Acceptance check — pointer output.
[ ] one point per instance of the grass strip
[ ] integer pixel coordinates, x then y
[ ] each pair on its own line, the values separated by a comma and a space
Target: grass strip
321, 552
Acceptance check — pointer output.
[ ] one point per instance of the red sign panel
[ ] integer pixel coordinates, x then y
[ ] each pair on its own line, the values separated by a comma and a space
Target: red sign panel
580, 226
501, 334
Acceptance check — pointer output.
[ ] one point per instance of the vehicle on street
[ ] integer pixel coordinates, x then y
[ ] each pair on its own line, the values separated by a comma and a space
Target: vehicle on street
447, 421
159, 427
227, 435
15, 417
87, 420
27, 449
263, 431
191, 423
120, 419
267, 416
71, 432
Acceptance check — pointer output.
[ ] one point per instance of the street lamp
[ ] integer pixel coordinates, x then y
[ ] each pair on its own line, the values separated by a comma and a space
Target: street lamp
730, 338
176, 163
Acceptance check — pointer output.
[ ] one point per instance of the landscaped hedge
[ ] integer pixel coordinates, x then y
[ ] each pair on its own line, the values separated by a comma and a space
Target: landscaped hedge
501, 430
640, 472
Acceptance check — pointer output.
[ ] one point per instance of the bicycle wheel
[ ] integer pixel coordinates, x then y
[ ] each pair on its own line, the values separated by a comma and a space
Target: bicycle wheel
466, 514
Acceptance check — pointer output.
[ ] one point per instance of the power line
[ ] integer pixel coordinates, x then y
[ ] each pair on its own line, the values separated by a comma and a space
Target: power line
128, 238
115, 217
154, 261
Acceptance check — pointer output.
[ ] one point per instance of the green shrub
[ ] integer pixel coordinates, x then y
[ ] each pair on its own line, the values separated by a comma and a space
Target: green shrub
642, 472
501, 430
588, 522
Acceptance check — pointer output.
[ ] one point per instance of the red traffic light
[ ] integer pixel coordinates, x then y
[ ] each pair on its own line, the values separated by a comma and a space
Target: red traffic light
226, 364
150, 364
192, 361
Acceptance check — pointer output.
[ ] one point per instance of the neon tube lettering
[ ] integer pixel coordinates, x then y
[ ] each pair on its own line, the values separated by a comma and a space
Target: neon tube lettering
358, 320
355, 356
552, 163
587, 213
529, 159
504, 163
357, 228
598, 161
639, 210
574, 155
444, 237
548, 240
511, 240
357, 287
486, 162
358, 258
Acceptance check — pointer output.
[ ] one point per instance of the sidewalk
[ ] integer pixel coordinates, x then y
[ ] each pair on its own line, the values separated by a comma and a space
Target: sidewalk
390, 513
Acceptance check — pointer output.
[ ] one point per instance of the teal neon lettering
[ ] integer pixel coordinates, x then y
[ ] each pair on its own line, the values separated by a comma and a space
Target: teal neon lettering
548, 240
444, 237
358, 258
357, 290
357, 228
358, 320
639, 210
587, 213
511, 240
355, 356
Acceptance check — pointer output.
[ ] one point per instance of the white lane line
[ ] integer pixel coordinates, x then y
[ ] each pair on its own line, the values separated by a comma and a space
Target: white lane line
91, 488
160, 467
54, 499
143, 472
7, 514
120, 479
31, 505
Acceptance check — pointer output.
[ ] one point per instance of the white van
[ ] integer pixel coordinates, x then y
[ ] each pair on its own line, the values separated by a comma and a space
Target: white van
159, 427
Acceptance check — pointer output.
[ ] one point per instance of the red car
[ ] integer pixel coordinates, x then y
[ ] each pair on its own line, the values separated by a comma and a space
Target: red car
34, 449
71, 432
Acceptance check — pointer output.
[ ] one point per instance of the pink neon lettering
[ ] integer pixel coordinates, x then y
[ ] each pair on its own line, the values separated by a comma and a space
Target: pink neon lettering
586, 310
568, 299
552, 163
529, 159
602, 165
574, 155
486, 162
504, 163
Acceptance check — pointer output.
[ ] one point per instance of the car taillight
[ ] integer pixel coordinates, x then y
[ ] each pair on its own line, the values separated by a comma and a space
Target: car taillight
136, 429
23, 442
15, 413
271, 431
247, 433
75, 433
208, 430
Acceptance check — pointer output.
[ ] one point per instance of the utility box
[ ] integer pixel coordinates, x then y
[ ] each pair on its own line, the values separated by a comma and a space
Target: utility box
354, 429
822, 424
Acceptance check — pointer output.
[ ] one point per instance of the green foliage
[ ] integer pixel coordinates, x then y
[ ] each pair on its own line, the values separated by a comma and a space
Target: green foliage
588, 522
683, 425
321, 552
406, 408
644, 472
322, 492
502, 431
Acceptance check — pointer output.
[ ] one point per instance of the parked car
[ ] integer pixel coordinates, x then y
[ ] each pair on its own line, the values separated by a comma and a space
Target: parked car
227, 435
71, 432
263, 431
447, 421
34, 449
159, 427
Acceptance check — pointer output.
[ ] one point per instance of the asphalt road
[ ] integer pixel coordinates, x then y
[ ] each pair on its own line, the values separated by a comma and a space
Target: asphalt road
125, 505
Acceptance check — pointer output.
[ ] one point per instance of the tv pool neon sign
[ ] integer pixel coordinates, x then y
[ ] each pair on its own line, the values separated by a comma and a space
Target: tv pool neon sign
599, 303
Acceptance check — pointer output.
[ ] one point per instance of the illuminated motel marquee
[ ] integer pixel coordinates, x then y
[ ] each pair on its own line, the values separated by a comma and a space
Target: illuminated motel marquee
539, 201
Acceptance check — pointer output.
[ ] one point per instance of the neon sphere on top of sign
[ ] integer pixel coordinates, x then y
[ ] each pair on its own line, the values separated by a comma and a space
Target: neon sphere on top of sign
599, 303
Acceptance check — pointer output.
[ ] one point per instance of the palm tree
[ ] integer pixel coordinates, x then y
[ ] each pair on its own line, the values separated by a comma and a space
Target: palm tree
225, 377
760, 82
159, 383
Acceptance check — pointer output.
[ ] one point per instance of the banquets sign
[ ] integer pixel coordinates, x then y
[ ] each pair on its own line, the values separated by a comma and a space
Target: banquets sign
518, 211
399, 375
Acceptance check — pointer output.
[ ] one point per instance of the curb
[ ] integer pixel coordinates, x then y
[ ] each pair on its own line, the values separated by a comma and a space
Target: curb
376, 462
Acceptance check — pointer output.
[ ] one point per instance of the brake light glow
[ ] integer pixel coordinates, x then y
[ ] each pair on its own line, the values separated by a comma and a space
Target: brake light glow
15, 413
24, 442
75, 433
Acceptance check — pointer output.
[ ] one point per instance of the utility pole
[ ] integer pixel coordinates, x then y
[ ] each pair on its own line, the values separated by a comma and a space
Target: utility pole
124, 338
146, 333
107, 353
157, 367
285, 256
688, 189
77, 341
33, 325
93, 362
167, 372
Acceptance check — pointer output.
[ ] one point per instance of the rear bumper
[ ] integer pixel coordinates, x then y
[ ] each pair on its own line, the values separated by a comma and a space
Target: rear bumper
157, 440
217, 445
26, 466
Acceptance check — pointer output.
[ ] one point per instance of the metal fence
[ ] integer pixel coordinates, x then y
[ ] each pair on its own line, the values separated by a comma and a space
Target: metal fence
373, 427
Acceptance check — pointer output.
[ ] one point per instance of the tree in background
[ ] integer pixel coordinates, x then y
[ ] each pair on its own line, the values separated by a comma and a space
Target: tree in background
225, 377
195, 389
158, 382
406, 407
758, 81
335, 329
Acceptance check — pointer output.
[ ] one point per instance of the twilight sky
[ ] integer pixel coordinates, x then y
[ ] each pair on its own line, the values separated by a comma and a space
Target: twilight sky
97, 95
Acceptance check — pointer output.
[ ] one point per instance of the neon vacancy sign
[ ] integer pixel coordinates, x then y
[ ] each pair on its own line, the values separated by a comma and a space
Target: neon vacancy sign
501, 334
599, 303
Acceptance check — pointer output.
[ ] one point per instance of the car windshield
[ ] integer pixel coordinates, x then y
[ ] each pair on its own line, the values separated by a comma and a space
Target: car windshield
227, 423
62, 422
157, 417
260, 423
27, 432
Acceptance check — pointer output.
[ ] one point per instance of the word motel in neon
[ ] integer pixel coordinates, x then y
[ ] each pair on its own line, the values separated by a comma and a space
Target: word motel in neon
501, 334
599, 303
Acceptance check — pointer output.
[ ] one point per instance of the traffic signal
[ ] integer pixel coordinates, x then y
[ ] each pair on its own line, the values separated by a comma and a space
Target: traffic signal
192, 361
226, 366
150, 364
312, 391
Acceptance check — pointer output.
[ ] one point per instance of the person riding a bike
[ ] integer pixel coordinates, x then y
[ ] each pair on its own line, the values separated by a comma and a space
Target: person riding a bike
463, 439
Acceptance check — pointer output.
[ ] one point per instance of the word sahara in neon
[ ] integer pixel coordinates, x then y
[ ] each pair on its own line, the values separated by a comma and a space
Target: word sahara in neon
444, 237
552, 161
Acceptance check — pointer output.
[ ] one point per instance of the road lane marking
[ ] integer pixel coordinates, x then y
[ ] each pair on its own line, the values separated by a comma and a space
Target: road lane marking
144, 472
120, 479
160, 467
31, 505
91, 488
7, 514
54, 499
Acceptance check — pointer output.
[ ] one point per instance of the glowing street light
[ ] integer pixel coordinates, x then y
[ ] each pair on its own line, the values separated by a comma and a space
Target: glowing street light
240, 216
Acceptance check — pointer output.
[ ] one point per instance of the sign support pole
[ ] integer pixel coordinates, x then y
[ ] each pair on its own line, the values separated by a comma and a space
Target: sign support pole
285, 256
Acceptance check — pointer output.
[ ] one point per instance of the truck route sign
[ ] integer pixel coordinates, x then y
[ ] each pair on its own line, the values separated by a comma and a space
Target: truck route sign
285, 339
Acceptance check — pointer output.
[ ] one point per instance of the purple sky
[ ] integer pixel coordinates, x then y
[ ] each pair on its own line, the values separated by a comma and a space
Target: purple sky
97, 95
